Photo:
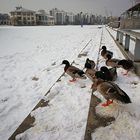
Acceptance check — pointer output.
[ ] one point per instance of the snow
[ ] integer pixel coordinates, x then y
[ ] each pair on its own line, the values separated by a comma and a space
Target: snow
28, 52
126, 125
37, 52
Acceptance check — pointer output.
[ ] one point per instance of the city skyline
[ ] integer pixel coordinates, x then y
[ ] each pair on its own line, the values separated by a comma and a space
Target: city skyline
99, 7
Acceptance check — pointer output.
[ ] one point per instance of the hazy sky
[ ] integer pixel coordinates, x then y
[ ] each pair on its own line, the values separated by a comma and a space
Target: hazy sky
103, 7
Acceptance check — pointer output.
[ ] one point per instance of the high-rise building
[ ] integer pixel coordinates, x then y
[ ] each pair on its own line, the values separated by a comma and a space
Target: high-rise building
59, 16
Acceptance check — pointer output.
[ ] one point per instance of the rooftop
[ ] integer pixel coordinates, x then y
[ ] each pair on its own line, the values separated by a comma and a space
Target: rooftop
21, 9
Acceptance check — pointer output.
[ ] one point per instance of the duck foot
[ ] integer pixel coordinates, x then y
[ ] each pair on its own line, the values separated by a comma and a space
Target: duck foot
125, 74
110, 102
73, 80
107, 103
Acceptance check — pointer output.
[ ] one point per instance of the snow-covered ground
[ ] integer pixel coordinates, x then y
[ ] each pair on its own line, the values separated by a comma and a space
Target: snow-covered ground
126, 125
28, 52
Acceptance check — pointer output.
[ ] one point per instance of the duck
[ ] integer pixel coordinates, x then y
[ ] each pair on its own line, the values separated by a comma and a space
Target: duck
91, 62
112, 62
100, 75
110, 91
106, 74
90, 72
104, 52
111, 73
73, 71
127, 65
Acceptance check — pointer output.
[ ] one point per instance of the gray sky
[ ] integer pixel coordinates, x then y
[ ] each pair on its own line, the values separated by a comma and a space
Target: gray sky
103, 7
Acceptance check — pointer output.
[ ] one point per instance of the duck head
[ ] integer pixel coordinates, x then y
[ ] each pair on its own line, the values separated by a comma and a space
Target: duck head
87, 61
66, 62
103, 47
88, 65
104, 69
99, 75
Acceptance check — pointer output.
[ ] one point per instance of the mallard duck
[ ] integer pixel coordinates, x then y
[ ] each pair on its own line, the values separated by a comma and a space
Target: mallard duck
73, 71
111, 74
100, 75
127, 65
104, 52
91, 62
90, 72
110, 91
106, 74
112, 62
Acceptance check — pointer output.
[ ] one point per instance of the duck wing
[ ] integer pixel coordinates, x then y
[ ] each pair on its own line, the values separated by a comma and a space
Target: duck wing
118, 94
109, 53
90, 73
112, 62
76, 72
73, 69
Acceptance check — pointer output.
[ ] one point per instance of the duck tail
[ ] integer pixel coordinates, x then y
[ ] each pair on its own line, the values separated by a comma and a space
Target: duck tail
121, 96
80, 72
124, 98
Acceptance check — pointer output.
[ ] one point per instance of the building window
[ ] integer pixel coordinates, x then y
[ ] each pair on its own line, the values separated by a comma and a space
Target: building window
19, 13
18, 18
135, 14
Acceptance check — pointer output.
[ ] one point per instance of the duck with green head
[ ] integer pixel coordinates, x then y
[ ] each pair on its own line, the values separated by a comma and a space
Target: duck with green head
111, 74
106, 74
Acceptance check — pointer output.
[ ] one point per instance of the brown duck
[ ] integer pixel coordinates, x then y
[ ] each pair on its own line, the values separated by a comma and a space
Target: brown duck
112, 62
128, 65
110, 91
73, 71
105, 52
91, 62
110, 74
90, 72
